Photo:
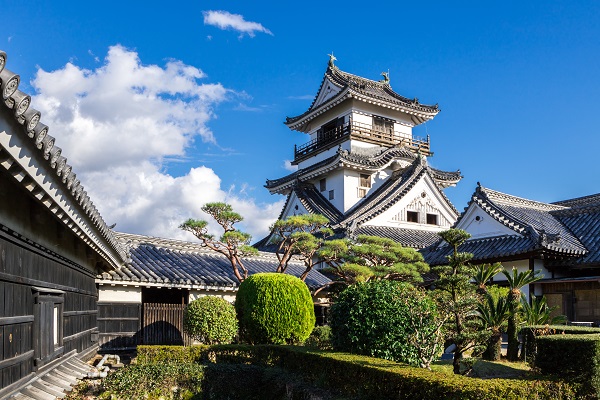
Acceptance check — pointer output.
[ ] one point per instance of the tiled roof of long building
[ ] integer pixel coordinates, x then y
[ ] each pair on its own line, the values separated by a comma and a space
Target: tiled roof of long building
378, 92
176, 262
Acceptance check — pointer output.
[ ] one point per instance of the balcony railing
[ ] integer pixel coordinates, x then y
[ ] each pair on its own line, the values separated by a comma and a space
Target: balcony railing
362, 132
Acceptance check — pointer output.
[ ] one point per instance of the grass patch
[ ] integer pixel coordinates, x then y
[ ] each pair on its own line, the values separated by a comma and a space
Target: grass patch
487, 369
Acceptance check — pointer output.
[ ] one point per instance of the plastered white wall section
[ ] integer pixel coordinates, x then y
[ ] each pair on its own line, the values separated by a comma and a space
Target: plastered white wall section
196, 294
432, 203
481, 225
119, 294
294, 207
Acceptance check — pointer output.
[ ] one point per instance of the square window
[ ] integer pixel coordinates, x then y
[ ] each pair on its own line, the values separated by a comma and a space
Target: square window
365, 181
331, 195
432, 219
362, 192
322, 185
412, 216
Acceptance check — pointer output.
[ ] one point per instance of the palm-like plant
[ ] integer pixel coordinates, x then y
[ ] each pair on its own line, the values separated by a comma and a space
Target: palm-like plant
483, 274
493, 312
516, 280
538, 312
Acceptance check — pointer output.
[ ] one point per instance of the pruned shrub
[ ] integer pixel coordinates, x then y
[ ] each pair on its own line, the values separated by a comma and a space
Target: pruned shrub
274, 308
381, 318
164, 381
210, 320
170, 354
576, 357
320, 338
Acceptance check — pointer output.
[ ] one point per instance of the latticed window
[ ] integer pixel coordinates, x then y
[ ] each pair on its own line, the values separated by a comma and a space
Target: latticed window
383, 125
432, 219
365, 181
412, 216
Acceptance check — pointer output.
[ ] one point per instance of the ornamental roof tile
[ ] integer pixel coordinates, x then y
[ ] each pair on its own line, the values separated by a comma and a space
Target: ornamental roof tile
88, 223
353, 86
176, 262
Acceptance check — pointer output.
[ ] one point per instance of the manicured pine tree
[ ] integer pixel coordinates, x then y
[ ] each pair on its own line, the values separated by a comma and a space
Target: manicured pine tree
457, 297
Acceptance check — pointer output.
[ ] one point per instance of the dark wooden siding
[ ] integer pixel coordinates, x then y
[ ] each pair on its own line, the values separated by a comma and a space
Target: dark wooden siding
120, 325
27, 269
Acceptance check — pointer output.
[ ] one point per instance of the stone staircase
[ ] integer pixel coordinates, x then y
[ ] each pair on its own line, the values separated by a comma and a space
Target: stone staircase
54, 383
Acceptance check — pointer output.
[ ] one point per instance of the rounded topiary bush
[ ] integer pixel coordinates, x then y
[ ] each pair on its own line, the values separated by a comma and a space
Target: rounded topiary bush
210, 320
377, 318
274, 308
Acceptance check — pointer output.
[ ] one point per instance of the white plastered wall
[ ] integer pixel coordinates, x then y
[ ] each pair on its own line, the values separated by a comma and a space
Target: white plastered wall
227, 295
480, 225
432, 203
119, 294
523, 266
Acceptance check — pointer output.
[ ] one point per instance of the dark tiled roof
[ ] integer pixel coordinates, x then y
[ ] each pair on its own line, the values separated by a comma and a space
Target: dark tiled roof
482, 249
365, 89
585, 201
414, 238
315, 203
175, 262
584, 222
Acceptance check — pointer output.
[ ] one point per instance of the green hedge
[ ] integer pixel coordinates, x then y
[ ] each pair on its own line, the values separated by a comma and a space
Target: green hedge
532, 332
574, 356
166, 354
366, 377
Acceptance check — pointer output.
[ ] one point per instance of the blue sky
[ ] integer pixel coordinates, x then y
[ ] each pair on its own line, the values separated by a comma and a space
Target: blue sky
518, 84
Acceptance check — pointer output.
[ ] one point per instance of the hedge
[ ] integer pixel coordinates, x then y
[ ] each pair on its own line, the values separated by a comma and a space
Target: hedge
576, 357
365, 377
532, 332
167, 354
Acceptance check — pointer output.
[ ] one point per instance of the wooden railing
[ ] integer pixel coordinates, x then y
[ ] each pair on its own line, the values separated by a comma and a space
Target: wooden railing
363, 132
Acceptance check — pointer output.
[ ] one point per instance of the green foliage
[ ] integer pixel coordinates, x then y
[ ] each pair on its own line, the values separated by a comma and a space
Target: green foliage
233, 244
320, 338
532, 332
210, 320
274, 308
362, 377
574, 356
170, 354
154, 381
538, 312
516, 280
300, 235
379, 318
457, 298
372, 257
483, 274
493, 313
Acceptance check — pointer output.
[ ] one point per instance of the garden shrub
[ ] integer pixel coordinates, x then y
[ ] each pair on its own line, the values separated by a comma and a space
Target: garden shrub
362, 377
274, 308
532, 332
154, 381
574, 356
320, 338
210, 320
170, 354
376, 318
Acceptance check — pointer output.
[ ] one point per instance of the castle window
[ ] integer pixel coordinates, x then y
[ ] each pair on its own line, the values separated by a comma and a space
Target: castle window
361, 192
381, 124
412, 216
365, 181
323, 185
331, 195
432, 219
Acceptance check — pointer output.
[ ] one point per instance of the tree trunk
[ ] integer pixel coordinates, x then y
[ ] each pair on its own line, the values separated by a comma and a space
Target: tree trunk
512, 353
494, 348
456, 360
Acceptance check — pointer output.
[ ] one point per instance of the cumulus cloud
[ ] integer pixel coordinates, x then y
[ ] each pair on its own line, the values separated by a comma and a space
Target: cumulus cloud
236, 22
287, 164
120, 122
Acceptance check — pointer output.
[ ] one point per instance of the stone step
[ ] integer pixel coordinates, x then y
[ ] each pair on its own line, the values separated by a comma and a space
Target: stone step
37, 394
56, 381
69, 372
71, 380
48, 387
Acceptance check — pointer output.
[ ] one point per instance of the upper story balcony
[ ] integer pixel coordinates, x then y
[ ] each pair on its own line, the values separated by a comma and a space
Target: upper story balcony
363, 132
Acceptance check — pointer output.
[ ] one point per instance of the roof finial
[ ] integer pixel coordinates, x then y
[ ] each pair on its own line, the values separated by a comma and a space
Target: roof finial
331, 59
386, 77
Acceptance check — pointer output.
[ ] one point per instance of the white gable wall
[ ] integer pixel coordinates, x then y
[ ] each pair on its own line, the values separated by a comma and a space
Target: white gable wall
480, 225
424, 198
294, 207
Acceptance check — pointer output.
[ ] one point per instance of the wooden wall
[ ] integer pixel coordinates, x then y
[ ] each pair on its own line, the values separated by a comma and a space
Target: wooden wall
29, 277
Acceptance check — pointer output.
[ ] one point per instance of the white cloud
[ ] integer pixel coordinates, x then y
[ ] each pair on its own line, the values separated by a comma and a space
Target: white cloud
120, 122
287, 164
225, 20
